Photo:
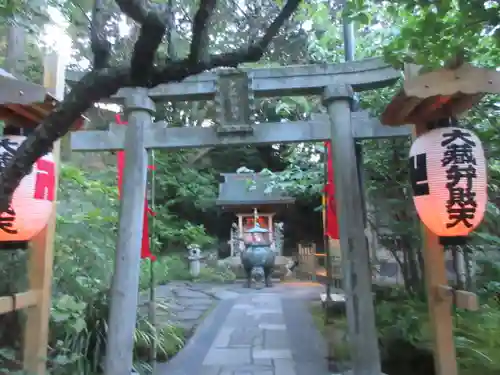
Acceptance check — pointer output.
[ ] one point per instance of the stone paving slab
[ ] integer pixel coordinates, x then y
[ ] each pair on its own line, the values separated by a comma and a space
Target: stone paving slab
276, 339
228, 356
223, 337
181, 303
255, 332
272, 327
272, 354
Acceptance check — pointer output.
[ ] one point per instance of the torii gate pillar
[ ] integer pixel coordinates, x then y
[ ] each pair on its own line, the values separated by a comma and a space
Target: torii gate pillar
357, 286
120, 345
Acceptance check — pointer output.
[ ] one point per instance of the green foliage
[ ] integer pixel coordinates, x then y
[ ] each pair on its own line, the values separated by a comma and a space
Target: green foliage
429, 33
182, 192
400, 320
176, 267
84, 261
406, 30
425, 33
83, 265
339, 341
477, 339
31, 15
477, 334
216, 275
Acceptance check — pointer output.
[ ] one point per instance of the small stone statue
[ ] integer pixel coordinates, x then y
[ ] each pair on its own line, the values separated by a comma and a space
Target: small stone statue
278, 237
235, 239
194, 257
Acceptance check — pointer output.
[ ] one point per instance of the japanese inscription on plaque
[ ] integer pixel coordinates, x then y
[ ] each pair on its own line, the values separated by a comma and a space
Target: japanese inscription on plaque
234, 102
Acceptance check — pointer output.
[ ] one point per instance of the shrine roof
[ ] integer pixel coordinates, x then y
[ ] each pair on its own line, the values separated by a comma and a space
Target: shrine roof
240, 189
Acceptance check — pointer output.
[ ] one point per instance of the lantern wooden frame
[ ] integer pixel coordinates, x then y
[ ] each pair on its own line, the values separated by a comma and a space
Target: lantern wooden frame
25, 107
425, 98
24, 104
445, 92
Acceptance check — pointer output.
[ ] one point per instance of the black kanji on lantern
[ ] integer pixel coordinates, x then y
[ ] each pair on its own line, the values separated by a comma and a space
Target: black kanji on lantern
7, 221
458, 156
8, 217
457, 134
418, 175
9, 148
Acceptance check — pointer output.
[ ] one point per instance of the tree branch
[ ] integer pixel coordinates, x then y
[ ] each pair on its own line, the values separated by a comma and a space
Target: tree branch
154, 20
200, 40
76, 4
150, 38
100, 46
138, 10
253, 53
103, 83
171, 21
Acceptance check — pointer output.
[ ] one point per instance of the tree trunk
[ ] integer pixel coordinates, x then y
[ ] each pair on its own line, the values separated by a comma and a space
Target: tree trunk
420, 257
458, 268
469, 271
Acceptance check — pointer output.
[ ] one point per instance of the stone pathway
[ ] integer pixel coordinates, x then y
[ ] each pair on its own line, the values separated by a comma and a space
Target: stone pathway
254, 332
181, 303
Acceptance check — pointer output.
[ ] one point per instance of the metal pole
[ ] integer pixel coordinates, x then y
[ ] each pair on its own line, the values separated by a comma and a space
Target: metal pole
125, 282
349, 40
350, 55
328, 266
367, 358
330, 328
152, 285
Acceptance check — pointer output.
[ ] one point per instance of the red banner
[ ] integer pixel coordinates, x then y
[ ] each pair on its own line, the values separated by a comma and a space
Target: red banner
332, 225
120, 156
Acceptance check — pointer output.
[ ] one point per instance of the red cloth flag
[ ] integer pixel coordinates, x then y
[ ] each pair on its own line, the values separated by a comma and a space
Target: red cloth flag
120, 156
332, 225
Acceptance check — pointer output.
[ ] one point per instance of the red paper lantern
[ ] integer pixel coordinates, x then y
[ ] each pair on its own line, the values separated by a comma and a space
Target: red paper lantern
448, 177
32, 202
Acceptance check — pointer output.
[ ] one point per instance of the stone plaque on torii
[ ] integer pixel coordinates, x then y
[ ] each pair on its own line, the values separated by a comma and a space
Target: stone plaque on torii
234, 91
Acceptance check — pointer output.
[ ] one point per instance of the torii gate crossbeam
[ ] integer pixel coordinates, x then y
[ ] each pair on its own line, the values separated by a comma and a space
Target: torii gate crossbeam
234, 91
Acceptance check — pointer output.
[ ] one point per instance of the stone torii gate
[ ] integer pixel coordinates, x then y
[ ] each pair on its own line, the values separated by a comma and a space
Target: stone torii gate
234, 91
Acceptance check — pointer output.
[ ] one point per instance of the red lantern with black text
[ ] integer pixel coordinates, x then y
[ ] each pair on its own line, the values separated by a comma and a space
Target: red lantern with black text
32, 202
448, 177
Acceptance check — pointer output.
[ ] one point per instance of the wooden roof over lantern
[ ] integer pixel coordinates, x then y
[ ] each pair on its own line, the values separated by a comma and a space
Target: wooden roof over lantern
446, 92
25, 104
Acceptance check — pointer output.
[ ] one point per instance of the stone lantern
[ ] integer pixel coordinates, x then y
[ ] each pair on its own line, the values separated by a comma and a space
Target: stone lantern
258, 258
194, 257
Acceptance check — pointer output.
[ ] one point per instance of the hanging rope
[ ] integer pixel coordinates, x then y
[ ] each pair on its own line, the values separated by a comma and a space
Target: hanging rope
152, 281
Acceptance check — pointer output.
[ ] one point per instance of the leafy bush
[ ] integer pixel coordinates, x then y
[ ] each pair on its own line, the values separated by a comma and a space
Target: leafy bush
477, 339
405, 335
83, 265
165, 268
217, 274
477, 334
176, 267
